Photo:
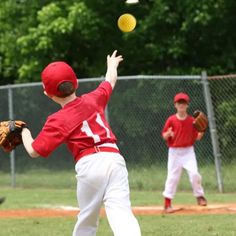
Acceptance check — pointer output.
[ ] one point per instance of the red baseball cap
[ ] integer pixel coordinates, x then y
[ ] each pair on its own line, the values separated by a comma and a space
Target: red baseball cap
56, 73
181, 96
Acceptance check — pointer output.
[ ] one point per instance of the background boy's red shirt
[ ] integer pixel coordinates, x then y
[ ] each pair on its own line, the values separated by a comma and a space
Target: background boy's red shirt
185, 134
80, 124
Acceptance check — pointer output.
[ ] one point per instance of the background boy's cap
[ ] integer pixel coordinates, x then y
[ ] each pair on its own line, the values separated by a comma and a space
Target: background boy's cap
56, 73
181, 96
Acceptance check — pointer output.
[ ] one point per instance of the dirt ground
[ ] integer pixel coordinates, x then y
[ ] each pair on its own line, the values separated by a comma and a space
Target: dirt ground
66, 211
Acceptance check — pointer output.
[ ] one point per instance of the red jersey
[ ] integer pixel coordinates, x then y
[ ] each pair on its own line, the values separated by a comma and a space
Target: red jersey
81, 124
184, 132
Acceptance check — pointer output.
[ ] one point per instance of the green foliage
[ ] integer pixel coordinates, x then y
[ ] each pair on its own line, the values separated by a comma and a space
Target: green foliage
223, 96
57, 23
171, 37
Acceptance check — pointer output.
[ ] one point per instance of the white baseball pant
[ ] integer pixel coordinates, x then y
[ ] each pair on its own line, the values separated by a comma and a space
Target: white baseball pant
179, 158
103, 178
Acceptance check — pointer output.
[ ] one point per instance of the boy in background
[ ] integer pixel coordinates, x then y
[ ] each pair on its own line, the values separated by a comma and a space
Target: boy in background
180, 136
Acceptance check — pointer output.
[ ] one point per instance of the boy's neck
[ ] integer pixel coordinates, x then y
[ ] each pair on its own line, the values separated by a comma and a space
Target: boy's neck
182, 115
64, 101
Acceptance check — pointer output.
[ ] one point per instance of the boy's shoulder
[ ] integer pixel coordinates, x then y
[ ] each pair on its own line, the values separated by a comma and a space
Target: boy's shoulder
56, 116
190, 117
58, 120
60, 115
172, 117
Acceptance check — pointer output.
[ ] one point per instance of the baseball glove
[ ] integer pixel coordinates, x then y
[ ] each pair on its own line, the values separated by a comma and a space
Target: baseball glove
200, 121
10, 134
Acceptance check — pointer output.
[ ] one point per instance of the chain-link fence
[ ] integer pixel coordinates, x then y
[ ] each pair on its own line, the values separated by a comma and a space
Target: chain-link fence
137, 112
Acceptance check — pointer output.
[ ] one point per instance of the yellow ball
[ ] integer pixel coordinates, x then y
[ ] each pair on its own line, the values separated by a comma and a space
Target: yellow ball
126, 22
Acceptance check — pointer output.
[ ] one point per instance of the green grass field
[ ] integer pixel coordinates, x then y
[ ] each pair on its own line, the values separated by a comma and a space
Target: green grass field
207, 225
22, 198
42, 188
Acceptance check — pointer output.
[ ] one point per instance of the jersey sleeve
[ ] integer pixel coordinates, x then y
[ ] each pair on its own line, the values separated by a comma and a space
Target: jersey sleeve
102, 94
166, 126
50, 137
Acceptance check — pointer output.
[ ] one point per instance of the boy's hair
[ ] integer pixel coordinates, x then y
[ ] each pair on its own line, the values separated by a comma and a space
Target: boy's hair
65, 89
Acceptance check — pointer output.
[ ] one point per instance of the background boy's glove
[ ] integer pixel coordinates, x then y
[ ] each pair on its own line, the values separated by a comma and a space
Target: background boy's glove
10, 134
200, 121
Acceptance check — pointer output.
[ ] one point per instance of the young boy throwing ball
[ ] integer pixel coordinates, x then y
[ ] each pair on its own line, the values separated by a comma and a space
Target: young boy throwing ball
180, 136
101, 170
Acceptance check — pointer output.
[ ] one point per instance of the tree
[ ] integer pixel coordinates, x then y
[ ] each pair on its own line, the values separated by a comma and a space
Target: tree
171, 37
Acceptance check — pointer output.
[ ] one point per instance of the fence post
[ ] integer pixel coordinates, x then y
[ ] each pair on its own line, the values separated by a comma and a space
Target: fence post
213, 131
12, 154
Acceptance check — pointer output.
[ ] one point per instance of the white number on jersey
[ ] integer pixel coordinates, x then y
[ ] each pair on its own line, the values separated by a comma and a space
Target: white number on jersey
86, 128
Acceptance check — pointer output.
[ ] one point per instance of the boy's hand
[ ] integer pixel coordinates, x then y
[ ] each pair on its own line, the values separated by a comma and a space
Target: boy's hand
112, 64
113, 60
169, 133
200, 135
